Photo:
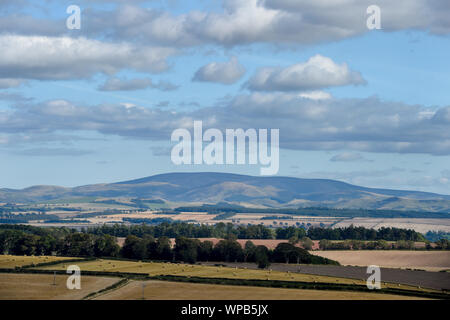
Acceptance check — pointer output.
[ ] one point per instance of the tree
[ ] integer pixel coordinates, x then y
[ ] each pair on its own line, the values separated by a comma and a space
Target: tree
262, 257
205, 250
186, 250
106, 246
283, 252
228, 250
134, 248
306, 243
78, 245
249, 251
164, 249
324, 244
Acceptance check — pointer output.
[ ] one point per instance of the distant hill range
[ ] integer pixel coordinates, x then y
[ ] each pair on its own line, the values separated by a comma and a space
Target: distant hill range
251, 191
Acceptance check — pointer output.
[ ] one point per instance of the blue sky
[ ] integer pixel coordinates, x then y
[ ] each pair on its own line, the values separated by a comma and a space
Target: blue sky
65, 118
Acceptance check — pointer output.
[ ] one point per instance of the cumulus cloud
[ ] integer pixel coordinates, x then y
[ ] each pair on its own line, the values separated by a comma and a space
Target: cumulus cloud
56, 58
355, 125
317, 73
221, 72
116, 84
244, 22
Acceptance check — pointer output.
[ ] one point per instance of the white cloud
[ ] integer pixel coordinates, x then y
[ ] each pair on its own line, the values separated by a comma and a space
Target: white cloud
244, 22
354, 125
221, 72
54, 58
317, 73
315, 95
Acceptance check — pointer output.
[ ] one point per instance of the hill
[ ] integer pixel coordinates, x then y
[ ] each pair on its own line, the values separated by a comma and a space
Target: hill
262, 191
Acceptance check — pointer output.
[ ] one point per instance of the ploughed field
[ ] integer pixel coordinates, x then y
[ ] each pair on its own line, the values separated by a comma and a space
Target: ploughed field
424, 260
162, 290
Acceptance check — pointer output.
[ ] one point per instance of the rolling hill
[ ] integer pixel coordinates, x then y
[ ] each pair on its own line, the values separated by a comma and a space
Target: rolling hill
263, 191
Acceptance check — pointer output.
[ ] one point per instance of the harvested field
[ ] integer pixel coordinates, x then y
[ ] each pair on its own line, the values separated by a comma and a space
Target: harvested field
425, 260
9, 261
393, 277
418, 224
157, 268
15, 286
234, 271
165, 290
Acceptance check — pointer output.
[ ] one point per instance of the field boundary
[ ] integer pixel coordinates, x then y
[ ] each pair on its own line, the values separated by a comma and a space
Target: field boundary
114, 286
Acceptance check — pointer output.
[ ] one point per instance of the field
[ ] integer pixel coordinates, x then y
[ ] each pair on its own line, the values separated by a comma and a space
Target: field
24, 286
418, 224
40, 286
424, 260
400, 277
156, 268
162, 290
210, 271
8, 261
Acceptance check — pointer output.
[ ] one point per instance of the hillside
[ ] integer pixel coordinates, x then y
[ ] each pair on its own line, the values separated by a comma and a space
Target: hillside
262, 191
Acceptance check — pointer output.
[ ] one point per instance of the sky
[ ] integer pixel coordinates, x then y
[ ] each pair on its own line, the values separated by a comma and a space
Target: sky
98, 104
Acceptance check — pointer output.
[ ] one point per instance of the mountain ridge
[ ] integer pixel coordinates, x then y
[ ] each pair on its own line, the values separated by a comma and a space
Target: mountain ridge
213, 187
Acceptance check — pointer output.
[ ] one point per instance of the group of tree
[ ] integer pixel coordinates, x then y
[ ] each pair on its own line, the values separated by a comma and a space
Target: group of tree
222, 230
226, 250
72, 244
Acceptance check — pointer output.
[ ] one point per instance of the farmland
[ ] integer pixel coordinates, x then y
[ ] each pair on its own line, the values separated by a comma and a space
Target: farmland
161, 290
204, 281
40, 286
9, 261
237, 271
424, 260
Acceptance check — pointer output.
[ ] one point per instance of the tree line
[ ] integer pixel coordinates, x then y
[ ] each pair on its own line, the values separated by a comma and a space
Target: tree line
222, 230
227, 250
80, 244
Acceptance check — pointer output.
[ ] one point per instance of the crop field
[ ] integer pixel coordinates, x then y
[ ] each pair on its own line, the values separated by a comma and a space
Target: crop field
399, 277
8, 261
16, 286
210, 271
418, 224
162, 290
157, 268
424, 260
